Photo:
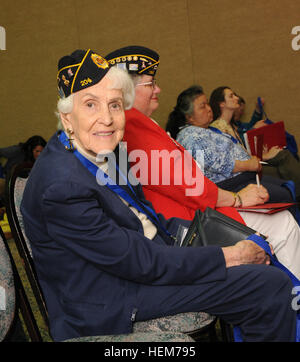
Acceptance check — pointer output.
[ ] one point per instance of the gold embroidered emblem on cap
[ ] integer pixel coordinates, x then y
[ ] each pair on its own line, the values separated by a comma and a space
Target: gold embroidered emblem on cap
99, 61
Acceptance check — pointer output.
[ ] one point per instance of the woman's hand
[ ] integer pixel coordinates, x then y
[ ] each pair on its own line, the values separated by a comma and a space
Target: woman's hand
273, 151
253, 195
245, 252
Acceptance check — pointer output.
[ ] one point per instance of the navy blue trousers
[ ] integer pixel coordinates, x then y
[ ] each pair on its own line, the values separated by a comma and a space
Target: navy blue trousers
257, 298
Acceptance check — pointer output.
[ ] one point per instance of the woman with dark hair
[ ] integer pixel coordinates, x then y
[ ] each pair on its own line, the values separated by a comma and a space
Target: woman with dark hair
281, 163
23, 152
33, 147
226, 162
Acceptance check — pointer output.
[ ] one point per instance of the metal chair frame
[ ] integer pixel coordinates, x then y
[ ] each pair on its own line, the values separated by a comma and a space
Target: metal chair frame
17, 234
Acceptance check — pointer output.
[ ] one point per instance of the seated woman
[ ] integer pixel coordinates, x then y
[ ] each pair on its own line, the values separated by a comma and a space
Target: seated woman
143, 133
103, 257
226, 162
257, 121
144, 136
22, 152
281, 163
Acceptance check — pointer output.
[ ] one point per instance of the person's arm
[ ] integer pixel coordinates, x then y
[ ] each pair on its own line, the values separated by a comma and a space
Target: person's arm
252, 164
249, 196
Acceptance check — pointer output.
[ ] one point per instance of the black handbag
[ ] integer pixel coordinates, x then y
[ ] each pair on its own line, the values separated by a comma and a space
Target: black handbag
213, 228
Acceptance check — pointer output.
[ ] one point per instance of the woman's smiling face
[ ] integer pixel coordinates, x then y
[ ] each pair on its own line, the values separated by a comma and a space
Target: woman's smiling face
97, 118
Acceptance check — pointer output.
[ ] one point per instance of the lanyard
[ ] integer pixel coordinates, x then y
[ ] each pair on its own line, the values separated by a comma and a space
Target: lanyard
113, 186
216, 130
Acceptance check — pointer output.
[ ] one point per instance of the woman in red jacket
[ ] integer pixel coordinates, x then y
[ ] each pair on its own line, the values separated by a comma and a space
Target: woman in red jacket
143, 133
177, 199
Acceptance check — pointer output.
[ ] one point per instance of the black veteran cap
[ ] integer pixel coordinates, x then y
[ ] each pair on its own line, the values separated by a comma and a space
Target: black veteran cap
136, 59
81, 69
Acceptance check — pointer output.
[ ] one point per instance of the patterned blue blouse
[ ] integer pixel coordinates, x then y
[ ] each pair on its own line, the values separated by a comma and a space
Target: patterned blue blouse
216, 154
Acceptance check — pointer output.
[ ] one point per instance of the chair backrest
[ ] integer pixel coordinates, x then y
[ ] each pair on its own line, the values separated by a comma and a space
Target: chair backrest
7, 290
15, 185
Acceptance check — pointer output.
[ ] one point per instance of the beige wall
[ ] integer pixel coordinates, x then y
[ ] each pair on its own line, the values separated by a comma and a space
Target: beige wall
243, 44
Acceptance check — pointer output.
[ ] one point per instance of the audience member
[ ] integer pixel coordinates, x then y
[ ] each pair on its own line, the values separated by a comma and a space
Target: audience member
281, 163
101, 266
144, 134
256, 120
22, 152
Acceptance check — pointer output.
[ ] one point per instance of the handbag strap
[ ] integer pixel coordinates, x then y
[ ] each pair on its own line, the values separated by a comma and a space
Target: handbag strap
266, 247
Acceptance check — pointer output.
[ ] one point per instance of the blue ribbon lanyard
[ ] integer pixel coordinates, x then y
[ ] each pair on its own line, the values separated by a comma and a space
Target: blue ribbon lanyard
216, 130
113, 186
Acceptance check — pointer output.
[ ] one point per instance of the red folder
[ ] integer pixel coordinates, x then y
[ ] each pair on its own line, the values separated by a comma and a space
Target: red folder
268, 208
273, 135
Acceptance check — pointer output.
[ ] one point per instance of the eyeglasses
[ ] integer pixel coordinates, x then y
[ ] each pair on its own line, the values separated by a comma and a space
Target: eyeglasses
153, 83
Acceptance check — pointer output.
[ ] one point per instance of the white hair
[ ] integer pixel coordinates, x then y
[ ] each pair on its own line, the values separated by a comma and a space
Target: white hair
120, 80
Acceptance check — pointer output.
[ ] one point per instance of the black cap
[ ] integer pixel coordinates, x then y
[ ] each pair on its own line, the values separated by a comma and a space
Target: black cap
81, 69
136, 59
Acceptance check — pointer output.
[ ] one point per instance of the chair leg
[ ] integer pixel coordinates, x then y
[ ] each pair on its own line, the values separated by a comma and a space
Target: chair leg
27, 314
226, 331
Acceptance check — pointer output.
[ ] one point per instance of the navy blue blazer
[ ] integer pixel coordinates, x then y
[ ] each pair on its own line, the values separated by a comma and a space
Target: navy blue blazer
90, 252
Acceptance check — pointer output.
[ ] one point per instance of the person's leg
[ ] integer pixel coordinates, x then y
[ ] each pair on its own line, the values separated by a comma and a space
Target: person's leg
283, 233
257, 298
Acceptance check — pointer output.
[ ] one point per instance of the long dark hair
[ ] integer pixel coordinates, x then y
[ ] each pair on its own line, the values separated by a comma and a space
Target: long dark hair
30, 145
217, 96
184, 107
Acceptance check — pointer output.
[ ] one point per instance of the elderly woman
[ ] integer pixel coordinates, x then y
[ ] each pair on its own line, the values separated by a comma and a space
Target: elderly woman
281, 163
143, 133
103, 256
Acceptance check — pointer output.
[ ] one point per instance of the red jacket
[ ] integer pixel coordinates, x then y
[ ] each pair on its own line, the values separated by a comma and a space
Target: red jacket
141, 133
